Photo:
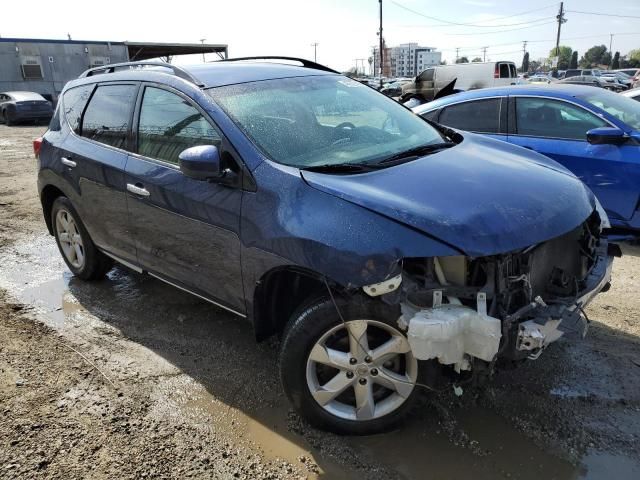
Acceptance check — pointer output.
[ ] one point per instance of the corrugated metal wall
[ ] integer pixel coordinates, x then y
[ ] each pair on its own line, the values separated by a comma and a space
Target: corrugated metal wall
59, 63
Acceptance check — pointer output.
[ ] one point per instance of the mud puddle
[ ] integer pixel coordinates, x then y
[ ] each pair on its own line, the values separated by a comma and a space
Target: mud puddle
202, 367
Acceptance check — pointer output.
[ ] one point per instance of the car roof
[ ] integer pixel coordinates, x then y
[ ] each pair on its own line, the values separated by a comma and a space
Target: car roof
554, 90
213, 74
24, 95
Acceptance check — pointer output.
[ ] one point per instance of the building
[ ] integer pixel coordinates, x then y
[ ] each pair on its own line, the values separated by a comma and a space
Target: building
406, 60
45, 66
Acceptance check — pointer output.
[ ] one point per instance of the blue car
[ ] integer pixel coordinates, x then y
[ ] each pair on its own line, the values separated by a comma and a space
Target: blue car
382, 250
592, 132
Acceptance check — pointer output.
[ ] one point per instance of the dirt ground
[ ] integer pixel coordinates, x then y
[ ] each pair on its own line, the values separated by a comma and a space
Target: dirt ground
131, 378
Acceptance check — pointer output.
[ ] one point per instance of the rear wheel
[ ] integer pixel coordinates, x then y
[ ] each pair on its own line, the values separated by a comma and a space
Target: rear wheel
356, 377
78, 251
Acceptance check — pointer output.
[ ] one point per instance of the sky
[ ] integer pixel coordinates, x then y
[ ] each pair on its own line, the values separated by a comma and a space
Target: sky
345, 30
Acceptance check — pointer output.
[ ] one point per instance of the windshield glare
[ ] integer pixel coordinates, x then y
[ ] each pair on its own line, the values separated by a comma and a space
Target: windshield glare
623, 108
323, 120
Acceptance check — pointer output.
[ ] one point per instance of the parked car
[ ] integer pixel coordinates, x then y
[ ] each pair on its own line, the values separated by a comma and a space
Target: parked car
590, 80
541, 79
573, 72
393, 89
634, 93
381, 249
634, 73
21, 106
617, 77
592, 132
446, 79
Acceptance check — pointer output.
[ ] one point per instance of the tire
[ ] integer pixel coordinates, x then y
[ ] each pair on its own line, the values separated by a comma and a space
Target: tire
76, 247
305, 380
8, 120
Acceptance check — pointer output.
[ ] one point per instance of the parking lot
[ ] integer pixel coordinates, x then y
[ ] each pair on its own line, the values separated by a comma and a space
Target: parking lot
131, 377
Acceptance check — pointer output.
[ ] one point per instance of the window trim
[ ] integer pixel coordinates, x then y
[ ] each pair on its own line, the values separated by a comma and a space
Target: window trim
502, 130
95, 88
136, 121
513, 123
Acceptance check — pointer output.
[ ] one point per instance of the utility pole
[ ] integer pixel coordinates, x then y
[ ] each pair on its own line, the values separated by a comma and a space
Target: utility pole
484, 54
610, 52
457, 56
561, 20
315, 47
381, 43
202, 42
524, 47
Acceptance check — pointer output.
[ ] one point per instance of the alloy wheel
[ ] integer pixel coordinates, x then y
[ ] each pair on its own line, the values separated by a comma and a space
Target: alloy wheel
70, 238
361, 370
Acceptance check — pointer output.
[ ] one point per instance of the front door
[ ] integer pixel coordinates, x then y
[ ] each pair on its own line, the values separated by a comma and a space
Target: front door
186, 230
558, 129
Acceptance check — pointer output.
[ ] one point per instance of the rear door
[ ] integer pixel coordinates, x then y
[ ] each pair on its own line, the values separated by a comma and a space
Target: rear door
93, 158
186, 230
505, 74
557, 129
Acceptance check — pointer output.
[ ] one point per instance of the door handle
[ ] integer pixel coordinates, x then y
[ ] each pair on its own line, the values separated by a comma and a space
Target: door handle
138, 190
68, 162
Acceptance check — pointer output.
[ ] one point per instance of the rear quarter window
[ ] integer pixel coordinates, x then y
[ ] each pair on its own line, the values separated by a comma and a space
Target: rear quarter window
74, 100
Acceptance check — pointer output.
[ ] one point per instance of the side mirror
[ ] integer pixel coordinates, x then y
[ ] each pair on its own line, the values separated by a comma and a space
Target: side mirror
606, 136
201, 162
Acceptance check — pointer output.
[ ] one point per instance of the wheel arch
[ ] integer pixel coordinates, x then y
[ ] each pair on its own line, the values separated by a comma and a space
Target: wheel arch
48, 195
281, 291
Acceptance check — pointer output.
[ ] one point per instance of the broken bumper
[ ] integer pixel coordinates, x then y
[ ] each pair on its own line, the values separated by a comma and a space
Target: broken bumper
565, 317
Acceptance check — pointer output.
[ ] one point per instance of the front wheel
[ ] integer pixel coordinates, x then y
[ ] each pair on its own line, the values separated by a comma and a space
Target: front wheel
355, 377
77, 249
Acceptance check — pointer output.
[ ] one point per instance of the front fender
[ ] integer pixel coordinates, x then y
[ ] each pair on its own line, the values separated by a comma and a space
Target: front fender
287, 222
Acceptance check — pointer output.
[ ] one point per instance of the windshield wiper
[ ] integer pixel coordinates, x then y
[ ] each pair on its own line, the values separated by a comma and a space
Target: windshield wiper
341, 168
417, 152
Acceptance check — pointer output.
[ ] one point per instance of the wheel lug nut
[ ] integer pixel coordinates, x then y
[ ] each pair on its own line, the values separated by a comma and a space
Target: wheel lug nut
353, 361
362, 381
349, 374
374, 371
367, 359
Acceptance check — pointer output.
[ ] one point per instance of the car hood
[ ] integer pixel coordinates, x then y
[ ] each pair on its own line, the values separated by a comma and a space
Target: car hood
482, 196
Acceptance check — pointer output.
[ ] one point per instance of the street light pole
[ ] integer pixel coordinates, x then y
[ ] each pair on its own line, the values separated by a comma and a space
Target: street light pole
202, 41
381, 43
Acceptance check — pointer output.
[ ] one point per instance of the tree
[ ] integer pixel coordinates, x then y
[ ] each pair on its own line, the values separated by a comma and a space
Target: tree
564, 56
632, 59
462, 60
573, 63
534, 66
596, 55
525, 62
476, 60
615, 63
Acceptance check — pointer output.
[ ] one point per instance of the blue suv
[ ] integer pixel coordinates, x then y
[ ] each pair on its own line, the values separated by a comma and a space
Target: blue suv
386, 253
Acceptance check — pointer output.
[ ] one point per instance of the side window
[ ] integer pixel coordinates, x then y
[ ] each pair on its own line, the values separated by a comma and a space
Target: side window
427, 75
512, 71
542, 117
432, 115
74, 100
169, 124
504, 70
478, 116
106, 119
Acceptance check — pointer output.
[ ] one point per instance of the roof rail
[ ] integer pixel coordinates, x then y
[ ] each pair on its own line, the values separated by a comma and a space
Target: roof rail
177, 71
305, 63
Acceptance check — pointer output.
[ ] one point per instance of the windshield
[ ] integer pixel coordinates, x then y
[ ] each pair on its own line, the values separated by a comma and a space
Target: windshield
323, 120
623, 108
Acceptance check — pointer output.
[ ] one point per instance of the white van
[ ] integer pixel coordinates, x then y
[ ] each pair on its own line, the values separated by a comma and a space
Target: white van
443, 80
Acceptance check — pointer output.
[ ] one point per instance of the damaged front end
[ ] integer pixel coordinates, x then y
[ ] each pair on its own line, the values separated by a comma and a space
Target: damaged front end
461, 310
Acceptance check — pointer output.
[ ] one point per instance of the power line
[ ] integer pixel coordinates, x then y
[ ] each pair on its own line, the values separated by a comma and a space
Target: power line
500, 31
449, 23
602, 14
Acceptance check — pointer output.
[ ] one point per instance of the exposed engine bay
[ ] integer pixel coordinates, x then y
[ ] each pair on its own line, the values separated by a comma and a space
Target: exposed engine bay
458, 310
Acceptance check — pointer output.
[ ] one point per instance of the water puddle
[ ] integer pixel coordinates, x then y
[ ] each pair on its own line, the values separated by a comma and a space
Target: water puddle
215, 362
